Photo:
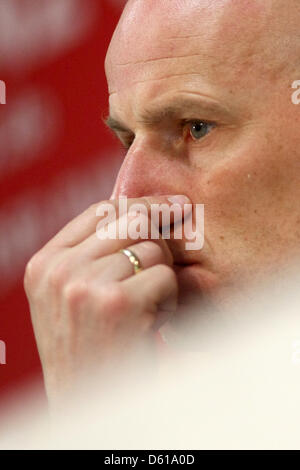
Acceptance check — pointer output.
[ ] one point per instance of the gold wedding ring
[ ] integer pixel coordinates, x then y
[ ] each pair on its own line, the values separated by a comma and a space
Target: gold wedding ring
133, 260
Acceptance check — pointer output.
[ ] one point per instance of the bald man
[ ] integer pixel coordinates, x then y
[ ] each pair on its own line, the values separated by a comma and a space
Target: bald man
200, 94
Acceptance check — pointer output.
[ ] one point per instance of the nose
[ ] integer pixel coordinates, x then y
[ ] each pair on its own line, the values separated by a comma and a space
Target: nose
149, 171
146, 171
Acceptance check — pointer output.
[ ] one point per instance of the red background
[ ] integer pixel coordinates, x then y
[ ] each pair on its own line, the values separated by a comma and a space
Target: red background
56, 157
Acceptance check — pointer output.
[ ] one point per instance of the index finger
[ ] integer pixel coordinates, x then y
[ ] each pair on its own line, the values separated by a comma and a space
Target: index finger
85, 224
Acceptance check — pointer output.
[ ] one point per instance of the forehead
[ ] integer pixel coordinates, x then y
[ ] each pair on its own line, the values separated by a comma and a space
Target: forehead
181, 36
222, 48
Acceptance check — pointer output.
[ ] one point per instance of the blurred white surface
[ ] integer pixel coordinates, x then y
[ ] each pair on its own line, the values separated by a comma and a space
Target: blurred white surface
239, 391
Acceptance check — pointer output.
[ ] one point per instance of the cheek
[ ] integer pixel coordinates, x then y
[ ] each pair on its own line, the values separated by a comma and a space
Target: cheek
245, 198
253, 181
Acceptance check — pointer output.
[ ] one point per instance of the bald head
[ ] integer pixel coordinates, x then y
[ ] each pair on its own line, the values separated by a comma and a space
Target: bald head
239, 35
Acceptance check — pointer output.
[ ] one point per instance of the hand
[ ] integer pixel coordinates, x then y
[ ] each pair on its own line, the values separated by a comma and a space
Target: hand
87, 306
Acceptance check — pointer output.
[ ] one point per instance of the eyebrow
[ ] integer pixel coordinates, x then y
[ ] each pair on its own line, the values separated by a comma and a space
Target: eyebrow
115, 125
153, 116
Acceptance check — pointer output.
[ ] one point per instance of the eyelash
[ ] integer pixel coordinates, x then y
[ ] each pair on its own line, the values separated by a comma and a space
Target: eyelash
183, 124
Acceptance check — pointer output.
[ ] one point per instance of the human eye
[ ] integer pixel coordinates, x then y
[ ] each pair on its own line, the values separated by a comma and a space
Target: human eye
198, 129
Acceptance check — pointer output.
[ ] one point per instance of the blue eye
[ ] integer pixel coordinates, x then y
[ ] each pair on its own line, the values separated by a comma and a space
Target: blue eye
199, 129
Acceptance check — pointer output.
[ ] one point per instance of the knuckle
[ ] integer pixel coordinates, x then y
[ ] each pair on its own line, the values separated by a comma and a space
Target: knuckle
75, 293
151, 245
114, 299
151, 250
34, 270
157, 251
59, 275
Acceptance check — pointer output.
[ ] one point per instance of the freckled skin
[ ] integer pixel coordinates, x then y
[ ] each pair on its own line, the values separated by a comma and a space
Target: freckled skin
243, 55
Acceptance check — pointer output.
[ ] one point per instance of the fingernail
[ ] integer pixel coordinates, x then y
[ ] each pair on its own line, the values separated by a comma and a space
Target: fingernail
179, 199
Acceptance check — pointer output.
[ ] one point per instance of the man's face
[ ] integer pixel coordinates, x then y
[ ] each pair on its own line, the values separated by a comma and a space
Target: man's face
201, 91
